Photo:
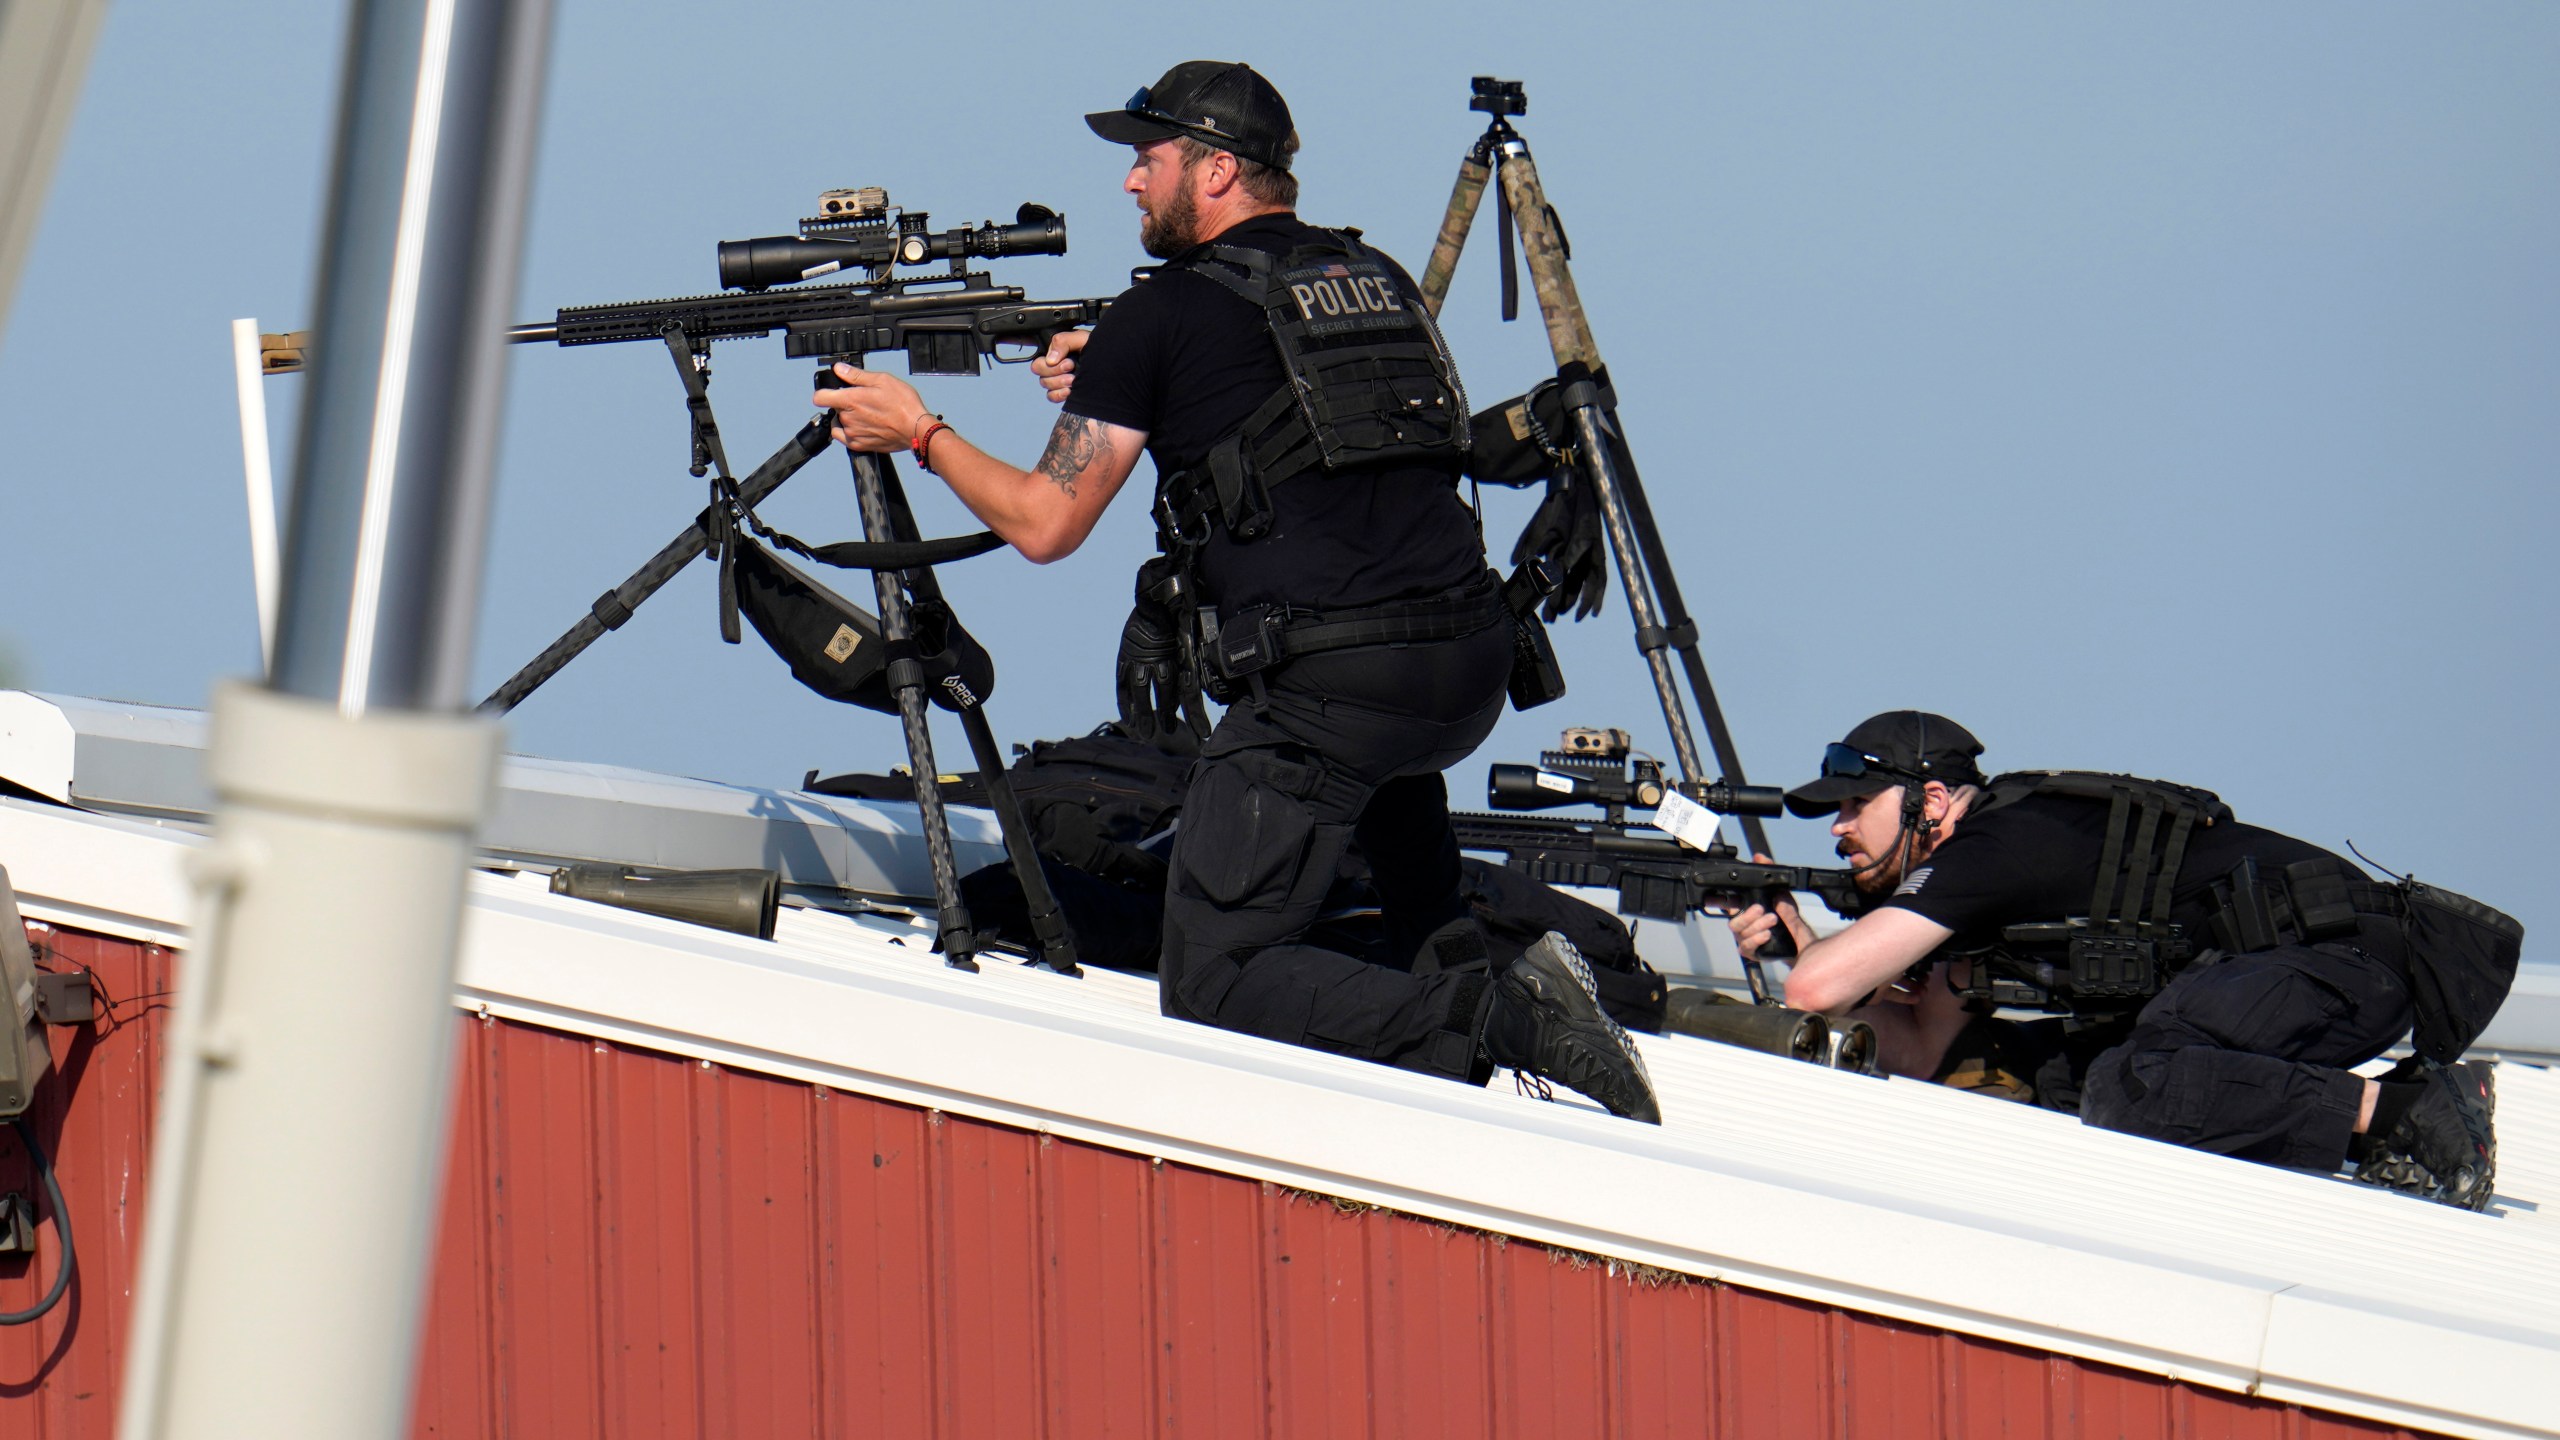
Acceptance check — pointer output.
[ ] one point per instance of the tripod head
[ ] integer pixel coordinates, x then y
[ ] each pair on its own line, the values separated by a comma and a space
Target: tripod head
1500, 99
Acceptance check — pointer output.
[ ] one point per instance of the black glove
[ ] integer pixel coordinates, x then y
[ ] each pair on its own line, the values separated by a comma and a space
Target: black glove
1566, 532
1148, 677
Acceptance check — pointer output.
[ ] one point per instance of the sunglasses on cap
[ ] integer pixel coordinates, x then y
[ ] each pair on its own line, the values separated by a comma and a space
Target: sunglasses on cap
1848, 762
1143, 106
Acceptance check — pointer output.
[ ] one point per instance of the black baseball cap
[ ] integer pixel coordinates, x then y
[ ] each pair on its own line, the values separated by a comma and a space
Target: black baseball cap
1220, 103
1898, 747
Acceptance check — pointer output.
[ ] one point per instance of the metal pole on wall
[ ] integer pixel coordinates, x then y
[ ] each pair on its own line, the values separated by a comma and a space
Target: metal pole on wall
297, 1170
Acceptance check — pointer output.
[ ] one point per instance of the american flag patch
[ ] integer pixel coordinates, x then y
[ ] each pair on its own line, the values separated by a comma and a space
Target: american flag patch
1912, 885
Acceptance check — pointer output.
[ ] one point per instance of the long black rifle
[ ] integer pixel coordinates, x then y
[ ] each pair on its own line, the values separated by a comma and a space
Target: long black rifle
1655, 876
1500, 157
945, 325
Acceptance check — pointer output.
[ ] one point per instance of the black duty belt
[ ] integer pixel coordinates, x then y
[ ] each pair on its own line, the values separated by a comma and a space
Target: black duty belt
2302, 903
1253, 640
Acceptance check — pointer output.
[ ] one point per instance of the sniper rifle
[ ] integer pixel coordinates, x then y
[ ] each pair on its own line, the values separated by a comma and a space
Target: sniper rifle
1656, 877
944, 324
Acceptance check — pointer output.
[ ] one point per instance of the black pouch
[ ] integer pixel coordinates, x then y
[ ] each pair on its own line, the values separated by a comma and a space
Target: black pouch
2244, 919
1242, 501
834, 646
2323, 906
2462, 959
1536, 677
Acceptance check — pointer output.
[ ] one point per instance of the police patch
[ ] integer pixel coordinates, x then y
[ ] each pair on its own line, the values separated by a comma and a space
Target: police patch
1338, 298
1911, 885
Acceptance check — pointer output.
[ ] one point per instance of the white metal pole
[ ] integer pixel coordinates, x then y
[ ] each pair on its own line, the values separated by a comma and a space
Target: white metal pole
249, 373
298, 1165
44, 56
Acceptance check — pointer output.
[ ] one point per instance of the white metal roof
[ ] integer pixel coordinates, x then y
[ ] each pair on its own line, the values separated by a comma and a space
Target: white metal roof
1892, 1198
148, 761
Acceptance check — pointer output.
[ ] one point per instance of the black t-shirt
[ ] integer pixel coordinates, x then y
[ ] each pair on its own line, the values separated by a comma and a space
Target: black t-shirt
2036, 859
1185, 359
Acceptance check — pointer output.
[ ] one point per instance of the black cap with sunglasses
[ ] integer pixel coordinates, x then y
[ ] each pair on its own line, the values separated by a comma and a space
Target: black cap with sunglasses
1898, 747
1220, 103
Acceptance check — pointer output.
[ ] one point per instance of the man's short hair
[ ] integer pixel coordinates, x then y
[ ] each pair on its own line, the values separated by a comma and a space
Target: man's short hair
1268, 184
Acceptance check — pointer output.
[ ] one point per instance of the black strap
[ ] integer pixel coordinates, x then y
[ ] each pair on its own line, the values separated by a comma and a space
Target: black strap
2180, 828
895, 554
2137, 863
1463, 611
1255, 263
2110, 859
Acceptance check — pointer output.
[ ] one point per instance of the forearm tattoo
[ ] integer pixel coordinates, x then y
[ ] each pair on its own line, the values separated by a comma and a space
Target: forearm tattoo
1075, 444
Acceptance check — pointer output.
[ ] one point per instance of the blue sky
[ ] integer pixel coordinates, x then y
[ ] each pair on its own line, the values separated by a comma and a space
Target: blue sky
2170, 388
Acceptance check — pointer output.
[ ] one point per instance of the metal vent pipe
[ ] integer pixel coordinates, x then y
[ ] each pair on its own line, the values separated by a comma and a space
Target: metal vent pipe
297, 1169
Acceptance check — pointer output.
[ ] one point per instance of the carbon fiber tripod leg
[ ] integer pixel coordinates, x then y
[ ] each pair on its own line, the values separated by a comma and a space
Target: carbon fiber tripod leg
1635, 541
906, 682
1644, 565
1048, 922
1682, 634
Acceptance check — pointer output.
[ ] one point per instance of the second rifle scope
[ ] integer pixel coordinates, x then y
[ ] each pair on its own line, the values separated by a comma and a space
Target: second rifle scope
1527, 787
789, 259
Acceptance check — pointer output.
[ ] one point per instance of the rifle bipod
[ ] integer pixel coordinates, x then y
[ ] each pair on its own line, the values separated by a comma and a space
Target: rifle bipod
1662, 624
901, 567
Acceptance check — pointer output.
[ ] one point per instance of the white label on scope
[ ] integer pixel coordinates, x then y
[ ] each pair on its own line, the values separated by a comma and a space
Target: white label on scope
829, 268
1686, 821
1550, 780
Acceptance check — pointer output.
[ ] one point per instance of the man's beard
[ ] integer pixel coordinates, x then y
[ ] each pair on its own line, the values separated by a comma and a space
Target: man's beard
1168, 232
1883, 872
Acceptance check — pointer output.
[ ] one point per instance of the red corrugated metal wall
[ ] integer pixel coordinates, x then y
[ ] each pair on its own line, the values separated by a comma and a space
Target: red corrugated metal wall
635, 1245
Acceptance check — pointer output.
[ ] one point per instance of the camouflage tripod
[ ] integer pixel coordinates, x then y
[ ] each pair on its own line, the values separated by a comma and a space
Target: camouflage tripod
1662, 622
1663, 626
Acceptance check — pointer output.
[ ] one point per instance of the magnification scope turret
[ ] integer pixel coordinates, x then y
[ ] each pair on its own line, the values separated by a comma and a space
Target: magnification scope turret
873, 239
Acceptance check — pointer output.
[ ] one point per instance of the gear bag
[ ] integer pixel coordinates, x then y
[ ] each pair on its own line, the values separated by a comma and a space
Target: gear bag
2462, 959
834, 646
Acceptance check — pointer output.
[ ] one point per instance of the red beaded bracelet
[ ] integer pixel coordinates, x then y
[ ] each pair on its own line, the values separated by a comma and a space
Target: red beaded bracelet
924, 445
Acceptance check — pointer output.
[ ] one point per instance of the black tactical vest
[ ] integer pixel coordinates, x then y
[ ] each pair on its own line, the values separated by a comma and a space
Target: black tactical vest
2123, 949
1370, 381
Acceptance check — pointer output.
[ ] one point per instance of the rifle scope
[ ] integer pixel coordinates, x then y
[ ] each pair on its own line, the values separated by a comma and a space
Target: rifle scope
789, 259
1527, 787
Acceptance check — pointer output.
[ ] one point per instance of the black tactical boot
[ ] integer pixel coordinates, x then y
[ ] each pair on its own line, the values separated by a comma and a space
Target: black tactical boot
2443, 1148
1546, 1020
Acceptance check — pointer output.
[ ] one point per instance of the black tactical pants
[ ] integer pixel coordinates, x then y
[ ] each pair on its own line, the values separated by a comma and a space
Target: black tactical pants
1350, 745
2249, 1056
